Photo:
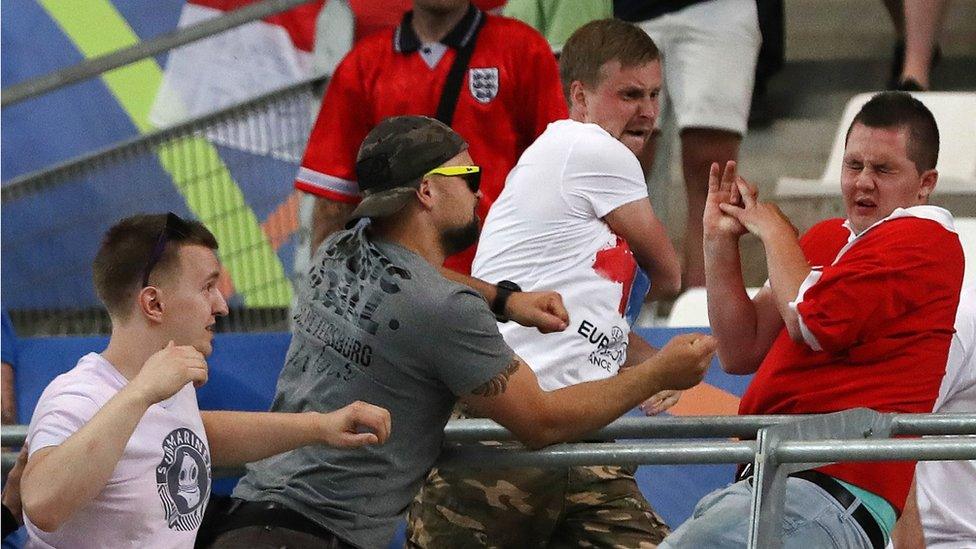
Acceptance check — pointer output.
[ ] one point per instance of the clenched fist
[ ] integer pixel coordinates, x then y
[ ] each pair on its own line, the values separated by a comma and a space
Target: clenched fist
168, 370
355, 425
682, 363
541, 310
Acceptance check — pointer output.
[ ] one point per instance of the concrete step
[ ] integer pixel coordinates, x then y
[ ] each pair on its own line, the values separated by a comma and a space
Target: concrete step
835, 49
862, 29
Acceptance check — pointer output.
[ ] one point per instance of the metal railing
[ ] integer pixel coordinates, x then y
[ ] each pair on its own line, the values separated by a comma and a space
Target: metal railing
782, 445
466, 431
230, 169
94, 67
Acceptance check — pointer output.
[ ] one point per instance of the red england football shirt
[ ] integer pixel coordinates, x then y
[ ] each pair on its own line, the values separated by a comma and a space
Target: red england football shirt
883, 315
386, 75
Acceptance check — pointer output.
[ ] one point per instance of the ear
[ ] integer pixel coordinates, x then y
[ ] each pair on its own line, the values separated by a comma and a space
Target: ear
150, 305
426, 194
577, 95
927, 181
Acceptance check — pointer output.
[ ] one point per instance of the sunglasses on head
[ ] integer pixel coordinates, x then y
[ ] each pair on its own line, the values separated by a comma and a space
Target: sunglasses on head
470, 174
175, 228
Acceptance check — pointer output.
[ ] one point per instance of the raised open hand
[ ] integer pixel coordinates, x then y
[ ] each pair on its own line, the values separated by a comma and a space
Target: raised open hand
722, 189
759, 218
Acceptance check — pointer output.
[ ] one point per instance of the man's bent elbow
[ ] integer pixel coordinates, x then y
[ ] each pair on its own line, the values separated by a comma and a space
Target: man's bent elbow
42, 514
738, 366
670, 286
539, 440
539, 434
664, 286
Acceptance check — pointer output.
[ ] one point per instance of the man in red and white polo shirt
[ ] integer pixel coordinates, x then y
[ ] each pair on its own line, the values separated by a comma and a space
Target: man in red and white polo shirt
858, 312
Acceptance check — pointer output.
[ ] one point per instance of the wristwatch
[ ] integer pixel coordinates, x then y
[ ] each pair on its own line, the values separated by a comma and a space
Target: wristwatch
503, 289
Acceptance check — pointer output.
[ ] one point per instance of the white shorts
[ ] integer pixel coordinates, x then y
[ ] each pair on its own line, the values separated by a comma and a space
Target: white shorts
709, 54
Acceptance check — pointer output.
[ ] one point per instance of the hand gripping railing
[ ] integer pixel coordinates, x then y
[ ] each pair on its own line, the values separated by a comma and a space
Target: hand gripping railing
783, 444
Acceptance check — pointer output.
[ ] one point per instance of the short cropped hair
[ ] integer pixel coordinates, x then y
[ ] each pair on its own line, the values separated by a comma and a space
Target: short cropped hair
896, 109
599, 42
125, 251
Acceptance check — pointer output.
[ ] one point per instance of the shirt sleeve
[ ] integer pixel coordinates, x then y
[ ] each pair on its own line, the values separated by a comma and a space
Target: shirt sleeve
328, 168
59, 416
602, 175
469, 350
884, 275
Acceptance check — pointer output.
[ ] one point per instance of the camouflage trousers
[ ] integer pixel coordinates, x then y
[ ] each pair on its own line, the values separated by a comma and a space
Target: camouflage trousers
574, 507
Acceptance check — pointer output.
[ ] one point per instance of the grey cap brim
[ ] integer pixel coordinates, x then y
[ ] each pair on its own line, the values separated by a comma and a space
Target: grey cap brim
384, 203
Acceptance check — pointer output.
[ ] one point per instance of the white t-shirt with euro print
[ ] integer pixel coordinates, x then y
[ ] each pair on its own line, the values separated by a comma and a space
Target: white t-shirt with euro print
546, 232
159, 489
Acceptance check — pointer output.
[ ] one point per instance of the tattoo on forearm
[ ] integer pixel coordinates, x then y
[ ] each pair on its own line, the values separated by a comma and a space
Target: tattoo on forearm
497, 385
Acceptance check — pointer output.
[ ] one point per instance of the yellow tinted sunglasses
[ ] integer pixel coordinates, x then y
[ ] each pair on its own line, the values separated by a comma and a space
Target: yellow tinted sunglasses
470, 174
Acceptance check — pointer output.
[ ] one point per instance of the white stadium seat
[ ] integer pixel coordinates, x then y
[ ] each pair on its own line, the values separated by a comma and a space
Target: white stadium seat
691, 308
955, 114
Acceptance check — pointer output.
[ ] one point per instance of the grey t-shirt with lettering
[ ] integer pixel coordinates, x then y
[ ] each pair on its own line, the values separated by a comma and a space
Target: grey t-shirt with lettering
376, 323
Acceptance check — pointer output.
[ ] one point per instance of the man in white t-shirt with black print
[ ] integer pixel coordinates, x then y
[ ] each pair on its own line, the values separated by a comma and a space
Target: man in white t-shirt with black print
574, 217
120, 455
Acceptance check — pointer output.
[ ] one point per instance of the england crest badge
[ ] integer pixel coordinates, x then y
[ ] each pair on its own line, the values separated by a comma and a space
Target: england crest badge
483, 84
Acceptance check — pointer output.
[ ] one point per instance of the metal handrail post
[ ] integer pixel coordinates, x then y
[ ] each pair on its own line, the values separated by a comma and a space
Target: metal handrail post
768, 495
104, 63
772, 467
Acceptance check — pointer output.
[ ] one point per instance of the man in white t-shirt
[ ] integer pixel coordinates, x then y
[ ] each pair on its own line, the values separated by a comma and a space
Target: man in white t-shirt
941, 508
120, 454
574, 217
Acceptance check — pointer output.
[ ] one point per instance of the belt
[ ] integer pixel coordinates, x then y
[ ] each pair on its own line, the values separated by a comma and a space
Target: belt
242, 513
860, 513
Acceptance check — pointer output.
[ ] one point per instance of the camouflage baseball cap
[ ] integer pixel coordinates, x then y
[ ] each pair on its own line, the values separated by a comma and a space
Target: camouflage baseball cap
393, 158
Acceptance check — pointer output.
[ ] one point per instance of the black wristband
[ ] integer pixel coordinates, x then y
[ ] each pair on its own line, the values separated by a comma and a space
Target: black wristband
503, 290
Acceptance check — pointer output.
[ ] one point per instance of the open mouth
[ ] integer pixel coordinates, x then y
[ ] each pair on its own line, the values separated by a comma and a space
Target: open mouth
865, 203
638, 133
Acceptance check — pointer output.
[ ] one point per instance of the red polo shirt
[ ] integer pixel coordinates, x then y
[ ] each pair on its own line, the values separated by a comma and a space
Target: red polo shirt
882, 313
385, 75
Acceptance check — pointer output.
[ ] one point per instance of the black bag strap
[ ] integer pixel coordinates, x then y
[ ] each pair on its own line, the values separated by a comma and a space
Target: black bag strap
452, 87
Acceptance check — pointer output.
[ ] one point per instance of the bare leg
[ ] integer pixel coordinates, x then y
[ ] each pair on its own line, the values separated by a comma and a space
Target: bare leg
699, 148
923, 22
897, 13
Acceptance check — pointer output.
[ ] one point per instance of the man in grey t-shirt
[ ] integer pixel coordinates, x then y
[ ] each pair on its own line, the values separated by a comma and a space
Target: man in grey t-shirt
379, 322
